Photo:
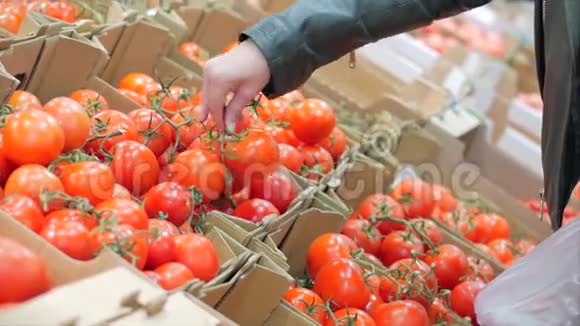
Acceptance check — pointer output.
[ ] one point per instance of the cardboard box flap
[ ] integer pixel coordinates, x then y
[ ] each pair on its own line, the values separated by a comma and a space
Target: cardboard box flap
260, 283
179, 309
286, 314
218, 29
55, 64
308, 226
191, 15
107, 35
141, 46
361, 85
275, 256
500, 168
224, 251
362, 178
7, 84
112, 294
171, 20
21, 58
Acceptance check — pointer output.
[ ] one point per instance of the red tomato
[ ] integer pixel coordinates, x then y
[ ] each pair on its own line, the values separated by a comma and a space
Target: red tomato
318, 161
350, 317
109, 128
23, 274
9, 22
137, 82
444, 200
256, 154
342, 282
293, 97
280, 135
278, 188
153, 130
135, 166
411, 279
153, 276
326, 248
24, 210
197, 253
135, 97
364, 234
124, 212
480, 269
291, 158
169, 200
189, 49
279, 108
428, 229
94, 181
178, 98
43, 142
190, 126
88, 220
374, 302
312, 121
378, 206
416, 197
6, 167
255, 210
90, 100
32, 180
173, 275
449, 264
201, 169
463, 298
398, 245
161, 243
524, 246
440, 313
71, 237
125, 240
120, 192
484, 228
401, 313
21, 100
308, 302
72, 118
335, 144
503, 250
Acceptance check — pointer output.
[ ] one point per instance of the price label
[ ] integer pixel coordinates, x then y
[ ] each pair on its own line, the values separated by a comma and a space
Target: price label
457, 122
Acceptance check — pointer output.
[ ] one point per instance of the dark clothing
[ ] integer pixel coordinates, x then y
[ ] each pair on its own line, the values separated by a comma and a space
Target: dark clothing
312, 33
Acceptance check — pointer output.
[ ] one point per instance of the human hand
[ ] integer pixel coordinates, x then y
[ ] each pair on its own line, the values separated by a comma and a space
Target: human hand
243, 72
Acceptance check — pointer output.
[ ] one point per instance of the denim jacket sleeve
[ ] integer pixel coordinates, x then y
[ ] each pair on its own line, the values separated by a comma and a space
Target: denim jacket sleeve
312, 33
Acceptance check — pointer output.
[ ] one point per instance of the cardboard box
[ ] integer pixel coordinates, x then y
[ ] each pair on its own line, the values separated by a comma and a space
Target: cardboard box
477, 166
258, 278
142, 46
178, 309
211, 26
43, 66
113, 294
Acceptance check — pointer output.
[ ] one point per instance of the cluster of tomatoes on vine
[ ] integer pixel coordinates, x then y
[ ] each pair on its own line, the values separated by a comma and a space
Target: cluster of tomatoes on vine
12, 12
85, 176
390, 266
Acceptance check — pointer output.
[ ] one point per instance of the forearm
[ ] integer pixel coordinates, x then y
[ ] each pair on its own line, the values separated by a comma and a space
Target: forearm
313, 33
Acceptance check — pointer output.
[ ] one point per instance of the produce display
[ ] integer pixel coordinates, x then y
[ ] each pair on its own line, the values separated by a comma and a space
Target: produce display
12, 12
122, 170
444, 34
